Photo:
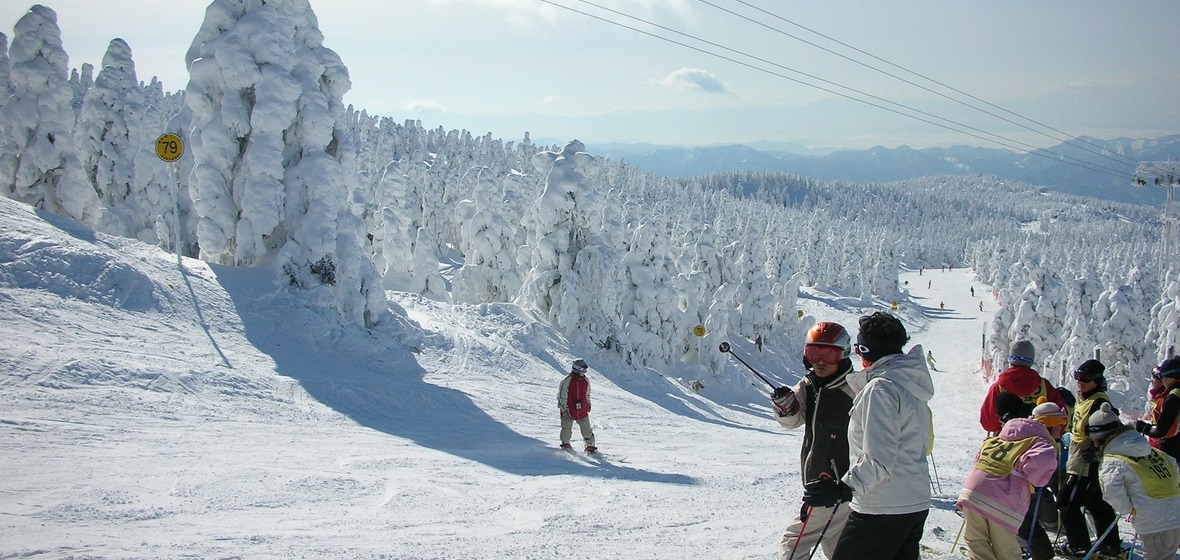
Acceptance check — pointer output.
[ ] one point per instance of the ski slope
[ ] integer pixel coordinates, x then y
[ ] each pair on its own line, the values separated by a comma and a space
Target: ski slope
156, 408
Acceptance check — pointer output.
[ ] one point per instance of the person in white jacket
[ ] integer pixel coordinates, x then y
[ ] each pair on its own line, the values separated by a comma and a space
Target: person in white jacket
888, 481
1138, 480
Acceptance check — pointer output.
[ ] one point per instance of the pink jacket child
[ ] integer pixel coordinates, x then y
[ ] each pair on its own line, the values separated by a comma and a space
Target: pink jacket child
996, 494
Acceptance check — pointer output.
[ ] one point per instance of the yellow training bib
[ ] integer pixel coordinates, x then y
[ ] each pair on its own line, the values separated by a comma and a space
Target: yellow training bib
997, 456
1155, 472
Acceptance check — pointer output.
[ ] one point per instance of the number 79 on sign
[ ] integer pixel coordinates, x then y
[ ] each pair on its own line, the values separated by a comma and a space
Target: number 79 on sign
169, 147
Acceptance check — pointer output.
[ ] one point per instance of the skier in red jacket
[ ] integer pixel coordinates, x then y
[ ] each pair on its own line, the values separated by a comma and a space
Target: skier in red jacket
573, 401
1020, 379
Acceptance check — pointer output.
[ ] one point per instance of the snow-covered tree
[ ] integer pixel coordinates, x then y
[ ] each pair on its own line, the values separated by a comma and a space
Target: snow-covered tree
266, 97
106, 139
5, 71
488, 243
37, 120
556, 231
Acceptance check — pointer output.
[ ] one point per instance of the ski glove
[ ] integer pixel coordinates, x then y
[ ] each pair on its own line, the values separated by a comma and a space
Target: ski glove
1143, 427
565, 415
785, 403
1068, 492
826, 493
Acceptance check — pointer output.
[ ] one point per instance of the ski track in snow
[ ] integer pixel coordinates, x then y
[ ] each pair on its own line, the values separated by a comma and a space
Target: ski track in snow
217, 417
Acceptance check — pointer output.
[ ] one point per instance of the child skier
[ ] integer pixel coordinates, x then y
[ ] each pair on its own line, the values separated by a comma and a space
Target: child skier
996, 494
1138, 480
573, 402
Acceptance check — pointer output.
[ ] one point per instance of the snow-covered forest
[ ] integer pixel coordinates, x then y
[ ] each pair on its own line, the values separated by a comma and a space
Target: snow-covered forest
278, 172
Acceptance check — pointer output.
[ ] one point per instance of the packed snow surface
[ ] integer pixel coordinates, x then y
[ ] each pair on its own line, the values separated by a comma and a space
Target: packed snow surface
164, 408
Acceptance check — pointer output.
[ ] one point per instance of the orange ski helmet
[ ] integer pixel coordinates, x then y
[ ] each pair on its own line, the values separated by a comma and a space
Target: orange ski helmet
827, 333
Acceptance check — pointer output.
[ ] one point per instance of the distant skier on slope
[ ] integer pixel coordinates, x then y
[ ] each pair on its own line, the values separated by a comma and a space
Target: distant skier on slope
820, 402
930, 360
573, 402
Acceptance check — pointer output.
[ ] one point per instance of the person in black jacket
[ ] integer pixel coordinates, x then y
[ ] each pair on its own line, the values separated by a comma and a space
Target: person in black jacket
820, 402
1081, 495
1165, 422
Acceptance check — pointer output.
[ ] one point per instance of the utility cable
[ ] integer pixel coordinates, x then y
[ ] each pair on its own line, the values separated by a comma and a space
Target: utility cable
1100, 150
1007, 142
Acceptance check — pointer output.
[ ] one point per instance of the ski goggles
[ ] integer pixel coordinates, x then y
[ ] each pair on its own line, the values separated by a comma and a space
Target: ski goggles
1085, 377
823, 354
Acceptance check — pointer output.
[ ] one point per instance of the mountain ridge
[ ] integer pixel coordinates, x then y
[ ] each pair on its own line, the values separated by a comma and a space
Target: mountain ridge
1088, 167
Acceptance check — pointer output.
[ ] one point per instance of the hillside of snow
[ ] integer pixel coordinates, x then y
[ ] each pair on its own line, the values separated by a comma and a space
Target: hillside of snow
164, 409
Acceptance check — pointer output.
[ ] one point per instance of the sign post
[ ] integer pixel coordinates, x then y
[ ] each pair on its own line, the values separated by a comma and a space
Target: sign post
699, 331
170, 148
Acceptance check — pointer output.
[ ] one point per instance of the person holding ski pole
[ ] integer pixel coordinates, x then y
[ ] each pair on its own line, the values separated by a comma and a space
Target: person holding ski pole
1082, 492
820, 402
1140, 481
889, 430
573, 403
1165, 416
996, 495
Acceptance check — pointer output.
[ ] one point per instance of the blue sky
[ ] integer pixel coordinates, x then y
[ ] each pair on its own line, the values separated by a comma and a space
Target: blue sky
1102, 69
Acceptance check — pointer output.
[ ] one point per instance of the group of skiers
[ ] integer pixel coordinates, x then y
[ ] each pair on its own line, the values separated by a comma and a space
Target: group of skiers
1110, 468
867, 435
1049, 458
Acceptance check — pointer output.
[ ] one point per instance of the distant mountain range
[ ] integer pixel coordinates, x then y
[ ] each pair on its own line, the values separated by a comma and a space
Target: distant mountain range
1089, 167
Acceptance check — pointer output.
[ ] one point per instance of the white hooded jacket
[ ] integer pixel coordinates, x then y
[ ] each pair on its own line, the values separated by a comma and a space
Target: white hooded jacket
1122, 489
888, 435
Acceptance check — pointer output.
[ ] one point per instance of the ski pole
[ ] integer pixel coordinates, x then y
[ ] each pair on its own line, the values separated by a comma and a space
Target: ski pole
725, 349
1061, 514
823, 531
960, 534
1034, 524
1098, 541
932, 482
803, 529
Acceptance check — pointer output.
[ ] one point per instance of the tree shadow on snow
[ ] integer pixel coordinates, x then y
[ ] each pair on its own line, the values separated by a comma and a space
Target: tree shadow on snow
375, 381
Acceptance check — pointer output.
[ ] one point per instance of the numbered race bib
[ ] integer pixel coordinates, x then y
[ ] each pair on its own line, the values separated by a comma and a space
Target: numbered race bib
997, 456
1156, 473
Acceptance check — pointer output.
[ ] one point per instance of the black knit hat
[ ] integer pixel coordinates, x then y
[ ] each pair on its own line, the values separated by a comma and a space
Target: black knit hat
881, 334
1009, 406
1090, 369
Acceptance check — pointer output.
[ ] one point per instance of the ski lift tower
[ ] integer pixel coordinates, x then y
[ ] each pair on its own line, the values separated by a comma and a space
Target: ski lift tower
1163, 174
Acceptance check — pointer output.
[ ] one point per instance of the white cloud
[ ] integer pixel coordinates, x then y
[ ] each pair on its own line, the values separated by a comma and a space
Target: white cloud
425, 106
1083, 84
550, 100
693, 79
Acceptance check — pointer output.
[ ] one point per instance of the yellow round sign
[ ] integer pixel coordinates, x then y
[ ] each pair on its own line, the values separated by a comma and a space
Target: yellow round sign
699, 330
169, 147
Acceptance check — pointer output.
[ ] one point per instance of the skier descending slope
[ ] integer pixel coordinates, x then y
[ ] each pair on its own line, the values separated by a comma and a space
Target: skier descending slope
573, 404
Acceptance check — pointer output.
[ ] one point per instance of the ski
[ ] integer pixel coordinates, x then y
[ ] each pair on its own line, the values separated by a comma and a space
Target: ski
606, 458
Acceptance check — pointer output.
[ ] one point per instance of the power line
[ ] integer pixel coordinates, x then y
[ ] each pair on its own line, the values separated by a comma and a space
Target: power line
1007, 142
1101, 151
